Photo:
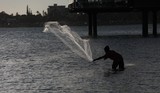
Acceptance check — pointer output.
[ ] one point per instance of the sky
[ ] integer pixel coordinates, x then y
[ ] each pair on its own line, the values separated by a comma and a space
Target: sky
14, 6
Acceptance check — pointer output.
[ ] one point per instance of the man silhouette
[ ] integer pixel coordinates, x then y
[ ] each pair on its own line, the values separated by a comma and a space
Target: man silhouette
116, 57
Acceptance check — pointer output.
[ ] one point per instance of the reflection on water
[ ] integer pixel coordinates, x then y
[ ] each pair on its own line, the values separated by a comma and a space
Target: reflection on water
33, 61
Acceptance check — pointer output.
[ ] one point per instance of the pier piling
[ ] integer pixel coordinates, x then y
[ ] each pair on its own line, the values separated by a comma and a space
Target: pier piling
145, 23
155, 23
92, 24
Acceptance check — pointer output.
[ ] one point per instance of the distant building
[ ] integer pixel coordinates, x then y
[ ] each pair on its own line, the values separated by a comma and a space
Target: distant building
56, 12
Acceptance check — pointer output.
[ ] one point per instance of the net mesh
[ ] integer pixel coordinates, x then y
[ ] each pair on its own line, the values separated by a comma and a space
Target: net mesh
71, 39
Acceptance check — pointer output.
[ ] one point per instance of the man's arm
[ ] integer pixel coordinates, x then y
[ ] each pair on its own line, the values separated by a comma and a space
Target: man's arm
99, 58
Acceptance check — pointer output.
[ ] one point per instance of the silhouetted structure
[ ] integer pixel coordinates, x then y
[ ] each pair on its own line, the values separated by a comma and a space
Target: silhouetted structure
25, 20
92, 7
56, 12
61, 14
28, 11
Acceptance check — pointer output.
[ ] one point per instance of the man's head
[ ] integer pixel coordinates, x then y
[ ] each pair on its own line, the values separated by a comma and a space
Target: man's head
106, 49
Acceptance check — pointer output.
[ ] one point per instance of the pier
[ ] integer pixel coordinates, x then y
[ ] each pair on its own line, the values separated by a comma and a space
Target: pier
93, 7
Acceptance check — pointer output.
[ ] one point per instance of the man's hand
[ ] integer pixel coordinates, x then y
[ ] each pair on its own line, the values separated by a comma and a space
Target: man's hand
94, 60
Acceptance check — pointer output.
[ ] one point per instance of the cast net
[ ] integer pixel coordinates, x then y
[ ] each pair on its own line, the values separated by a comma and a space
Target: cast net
71, 39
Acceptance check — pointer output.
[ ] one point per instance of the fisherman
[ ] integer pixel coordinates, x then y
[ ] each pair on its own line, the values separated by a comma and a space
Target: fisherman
116, 57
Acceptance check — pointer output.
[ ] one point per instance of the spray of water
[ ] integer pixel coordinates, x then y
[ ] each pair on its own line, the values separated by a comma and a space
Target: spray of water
70, 39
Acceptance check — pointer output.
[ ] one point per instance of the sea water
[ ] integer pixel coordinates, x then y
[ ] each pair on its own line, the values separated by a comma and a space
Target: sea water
33, 61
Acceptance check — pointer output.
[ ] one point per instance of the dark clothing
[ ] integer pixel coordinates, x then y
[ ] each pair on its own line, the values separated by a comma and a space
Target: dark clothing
116, 57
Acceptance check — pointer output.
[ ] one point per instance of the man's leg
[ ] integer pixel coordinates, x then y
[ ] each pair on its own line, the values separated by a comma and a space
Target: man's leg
114, 65
121, 66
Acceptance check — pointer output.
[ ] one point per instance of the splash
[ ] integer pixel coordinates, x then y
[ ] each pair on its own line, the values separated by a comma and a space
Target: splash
71, 39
